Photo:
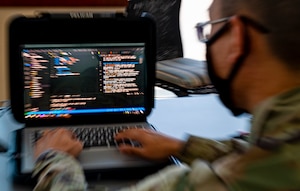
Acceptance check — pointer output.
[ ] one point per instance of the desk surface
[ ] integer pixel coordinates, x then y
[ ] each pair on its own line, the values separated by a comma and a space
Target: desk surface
201, 115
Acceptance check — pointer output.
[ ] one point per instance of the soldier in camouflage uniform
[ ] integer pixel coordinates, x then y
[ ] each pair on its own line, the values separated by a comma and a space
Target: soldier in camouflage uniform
252, 59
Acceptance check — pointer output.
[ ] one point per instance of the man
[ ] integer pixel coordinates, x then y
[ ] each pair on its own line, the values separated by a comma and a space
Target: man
252, 58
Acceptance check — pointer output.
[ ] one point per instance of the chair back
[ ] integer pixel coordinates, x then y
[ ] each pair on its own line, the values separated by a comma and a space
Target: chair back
166, 15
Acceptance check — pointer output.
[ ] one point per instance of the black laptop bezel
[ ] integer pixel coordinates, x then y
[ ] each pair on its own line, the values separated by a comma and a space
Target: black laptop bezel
42, 30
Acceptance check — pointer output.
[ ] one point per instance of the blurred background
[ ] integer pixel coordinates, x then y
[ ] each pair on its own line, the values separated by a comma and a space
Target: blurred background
192, 12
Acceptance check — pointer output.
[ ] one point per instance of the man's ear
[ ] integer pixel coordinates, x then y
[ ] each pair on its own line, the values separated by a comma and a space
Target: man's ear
237, 40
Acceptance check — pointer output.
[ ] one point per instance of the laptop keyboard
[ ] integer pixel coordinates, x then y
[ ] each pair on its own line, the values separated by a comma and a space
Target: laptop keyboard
102, 136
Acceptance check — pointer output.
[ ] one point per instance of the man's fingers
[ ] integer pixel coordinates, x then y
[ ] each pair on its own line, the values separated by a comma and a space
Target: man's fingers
134, 134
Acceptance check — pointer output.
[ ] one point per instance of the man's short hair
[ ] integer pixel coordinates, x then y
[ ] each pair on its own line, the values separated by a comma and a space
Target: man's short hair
281, 17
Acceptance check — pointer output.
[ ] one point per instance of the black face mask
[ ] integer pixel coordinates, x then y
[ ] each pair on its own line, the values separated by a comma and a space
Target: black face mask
223, 86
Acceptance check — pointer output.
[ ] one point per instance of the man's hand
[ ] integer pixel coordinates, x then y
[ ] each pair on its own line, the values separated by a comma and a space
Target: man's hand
60, 140
154, 146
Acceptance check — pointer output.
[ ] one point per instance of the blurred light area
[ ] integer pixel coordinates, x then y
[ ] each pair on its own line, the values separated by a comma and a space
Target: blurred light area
191, 13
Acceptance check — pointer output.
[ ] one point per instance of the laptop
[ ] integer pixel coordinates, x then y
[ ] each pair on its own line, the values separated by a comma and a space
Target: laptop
85, 74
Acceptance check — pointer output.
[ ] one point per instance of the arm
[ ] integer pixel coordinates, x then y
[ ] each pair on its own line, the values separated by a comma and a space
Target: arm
156, 146
56, 167
58, 171
196, 151
199, 176
204, 149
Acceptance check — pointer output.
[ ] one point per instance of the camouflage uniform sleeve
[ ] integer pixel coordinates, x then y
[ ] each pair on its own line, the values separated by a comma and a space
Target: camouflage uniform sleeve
204, 149
198, 153
199, 176
58, 171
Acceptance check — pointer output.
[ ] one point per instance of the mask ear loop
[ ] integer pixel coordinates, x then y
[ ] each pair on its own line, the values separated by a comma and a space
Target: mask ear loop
236, 67
241, 59
246, 43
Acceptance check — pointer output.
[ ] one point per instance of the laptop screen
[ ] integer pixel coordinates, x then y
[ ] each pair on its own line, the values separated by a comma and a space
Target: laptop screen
62, 75
65, 80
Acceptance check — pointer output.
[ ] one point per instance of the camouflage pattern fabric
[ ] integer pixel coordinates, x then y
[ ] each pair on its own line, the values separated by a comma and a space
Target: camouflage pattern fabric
58, 171
272, 162
269, 161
